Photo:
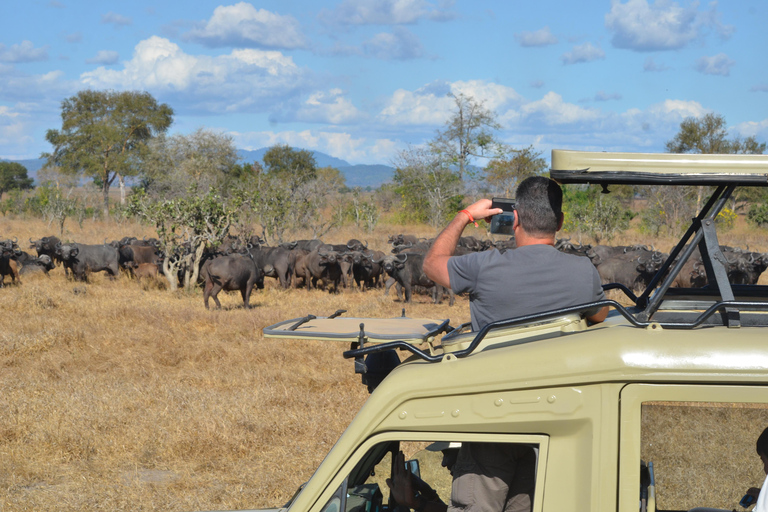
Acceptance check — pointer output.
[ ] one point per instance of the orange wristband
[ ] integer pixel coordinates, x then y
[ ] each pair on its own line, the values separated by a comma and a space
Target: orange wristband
471, 219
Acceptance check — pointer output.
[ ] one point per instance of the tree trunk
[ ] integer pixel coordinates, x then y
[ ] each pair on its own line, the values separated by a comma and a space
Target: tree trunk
121, 179
193, 271
105, 192
699, 195
170, 271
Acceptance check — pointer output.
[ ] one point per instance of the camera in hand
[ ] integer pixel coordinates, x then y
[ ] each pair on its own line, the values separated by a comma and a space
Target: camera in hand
747, 500
501, 224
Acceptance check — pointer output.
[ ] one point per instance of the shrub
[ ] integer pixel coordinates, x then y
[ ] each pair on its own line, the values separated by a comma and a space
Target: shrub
726, 219
598, 216
758, 215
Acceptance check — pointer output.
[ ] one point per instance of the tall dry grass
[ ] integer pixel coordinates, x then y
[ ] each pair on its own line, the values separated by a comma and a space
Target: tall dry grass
128, 397
124, 396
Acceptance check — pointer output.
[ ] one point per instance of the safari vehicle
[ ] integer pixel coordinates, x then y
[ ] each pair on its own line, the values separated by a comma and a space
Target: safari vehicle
657, 408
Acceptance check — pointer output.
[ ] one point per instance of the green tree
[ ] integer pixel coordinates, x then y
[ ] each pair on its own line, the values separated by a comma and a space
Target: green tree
205, 157
709, 135
292, 167
13, 176
467, 135
503, 174
429, 187
185, 227
362, 210
292, 192
104, 134
758, 215
58, 208
589, 212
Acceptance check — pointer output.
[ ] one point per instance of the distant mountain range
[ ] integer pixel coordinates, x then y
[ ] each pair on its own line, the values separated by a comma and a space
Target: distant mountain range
359, 175
355, 175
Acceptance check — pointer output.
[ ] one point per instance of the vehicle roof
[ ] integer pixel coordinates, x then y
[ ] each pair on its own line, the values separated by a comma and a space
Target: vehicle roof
613, 351
658, 168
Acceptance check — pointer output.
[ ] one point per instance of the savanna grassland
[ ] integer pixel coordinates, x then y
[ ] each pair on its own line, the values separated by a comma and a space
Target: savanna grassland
118, 395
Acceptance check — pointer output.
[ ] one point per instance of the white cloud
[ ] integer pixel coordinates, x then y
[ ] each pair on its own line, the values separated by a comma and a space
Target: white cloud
47, 88
763, 87
758, 129
552, 110
586, 52
6, 112
14, 133
23, 52
718, 64
431, 105
105, 57
244, 80
323, 107
118, 20
385, 12
338, 144
242, 25
541, 37
413, 108
678, 109
665, 25
400, 44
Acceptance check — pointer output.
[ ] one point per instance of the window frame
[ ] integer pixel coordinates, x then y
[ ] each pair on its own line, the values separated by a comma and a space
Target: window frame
362, 449
633, 396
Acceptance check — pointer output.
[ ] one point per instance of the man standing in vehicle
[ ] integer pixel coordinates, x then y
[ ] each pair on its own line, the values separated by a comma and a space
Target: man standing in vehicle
533, 278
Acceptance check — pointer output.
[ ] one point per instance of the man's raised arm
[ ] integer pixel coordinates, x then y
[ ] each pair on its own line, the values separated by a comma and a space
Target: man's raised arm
436, 261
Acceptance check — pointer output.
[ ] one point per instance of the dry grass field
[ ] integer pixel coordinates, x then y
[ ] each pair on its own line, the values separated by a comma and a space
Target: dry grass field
122, 396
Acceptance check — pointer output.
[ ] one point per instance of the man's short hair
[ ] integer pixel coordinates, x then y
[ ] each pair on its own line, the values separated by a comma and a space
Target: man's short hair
762, 443
539, 202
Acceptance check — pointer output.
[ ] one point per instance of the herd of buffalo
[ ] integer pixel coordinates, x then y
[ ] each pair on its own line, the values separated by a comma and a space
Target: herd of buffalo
243, 265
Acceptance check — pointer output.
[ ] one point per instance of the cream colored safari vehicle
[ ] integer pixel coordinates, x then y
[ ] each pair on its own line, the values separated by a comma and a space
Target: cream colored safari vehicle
657, 408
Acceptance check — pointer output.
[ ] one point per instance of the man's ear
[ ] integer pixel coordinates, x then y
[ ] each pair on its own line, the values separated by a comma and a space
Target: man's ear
560, 221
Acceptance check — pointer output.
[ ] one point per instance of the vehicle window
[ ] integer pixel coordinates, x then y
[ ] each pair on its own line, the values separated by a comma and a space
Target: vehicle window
703, 453
365, 488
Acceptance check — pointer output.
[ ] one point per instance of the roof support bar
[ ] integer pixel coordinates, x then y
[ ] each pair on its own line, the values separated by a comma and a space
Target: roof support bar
642, 301
715, 265
714, 205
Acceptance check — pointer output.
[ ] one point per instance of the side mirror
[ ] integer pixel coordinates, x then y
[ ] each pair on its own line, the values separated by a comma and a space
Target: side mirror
413, 466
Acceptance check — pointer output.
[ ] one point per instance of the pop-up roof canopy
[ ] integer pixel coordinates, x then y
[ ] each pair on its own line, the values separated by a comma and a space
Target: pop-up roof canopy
658, 168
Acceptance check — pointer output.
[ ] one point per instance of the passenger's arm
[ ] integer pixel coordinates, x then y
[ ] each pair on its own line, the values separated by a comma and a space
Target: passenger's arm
402, 489
599, 316
436, 261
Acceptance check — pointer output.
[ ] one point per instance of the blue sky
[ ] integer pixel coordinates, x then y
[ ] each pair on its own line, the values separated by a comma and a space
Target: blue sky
363, 79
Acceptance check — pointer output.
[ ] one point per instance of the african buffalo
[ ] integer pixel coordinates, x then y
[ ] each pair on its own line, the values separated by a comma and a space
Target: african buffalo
46, 245
42, 263
8, 266
133, 255
231, 272
277, 259
407, 270
323, 265
83, 259
366, 270
634, 268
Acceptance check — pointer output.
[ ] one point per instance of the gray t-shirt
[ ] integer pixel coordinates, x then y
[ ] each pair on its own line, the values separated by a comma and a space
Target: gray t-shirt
523, 281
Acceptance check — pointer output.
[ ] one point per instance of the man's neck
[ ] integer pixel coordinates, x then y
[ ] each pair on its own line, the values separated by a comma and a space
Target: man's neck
523, 238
